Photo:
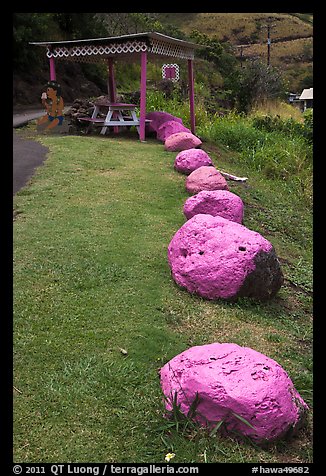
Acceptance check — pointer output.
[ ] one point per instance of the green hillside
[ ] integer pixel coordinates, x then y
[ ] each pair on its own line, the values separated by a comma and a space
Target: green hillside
291, 49
291, 37
238, 28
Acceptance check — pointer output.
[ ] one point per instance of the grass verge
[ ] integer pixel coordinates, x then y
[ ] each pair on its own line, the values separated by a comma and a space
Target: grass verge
96, 313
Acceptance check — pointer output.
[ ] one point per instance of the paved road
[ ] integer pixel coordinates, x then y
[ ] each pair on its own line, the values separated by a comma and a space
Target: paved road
21, 118
23, 114
27, 155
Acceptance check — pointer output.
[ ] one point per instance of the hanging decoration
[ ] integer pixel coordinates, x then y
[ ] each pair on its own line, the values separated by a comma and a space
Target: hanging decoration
170, 71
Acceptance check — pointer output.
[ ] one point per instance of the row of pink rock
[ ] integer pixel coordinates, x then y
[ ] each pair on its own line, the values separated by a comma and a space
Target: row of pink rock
213, 254
170, 130
235, 390
223, 386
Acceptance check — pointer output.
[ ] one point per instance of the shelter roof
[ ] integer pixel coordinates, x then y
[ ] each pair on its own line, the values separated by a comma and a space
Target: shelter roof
120, 47
307, 94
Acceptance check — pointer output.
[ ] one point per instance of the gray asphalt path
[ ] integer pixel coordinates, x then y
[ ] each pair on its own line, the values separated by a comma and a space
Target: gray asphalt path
27, 155
22, 118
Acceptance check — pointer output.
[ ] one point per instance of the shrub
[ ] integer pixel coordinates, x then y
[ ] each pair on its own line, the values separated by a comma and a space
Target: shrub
234, 132
308, 124
280, 156
276, 123
158, 101
288, 126
254, 83
277, 148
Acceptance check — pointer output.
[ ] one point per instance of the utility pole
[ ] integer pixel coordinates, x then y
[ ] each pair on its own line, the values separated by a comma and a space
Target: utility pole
269, 26
241, 53
268, 44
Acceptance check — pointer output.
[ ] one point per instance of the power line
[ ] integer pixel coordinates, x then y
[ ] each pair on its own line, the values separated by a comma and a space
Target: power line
269, 26
241, 52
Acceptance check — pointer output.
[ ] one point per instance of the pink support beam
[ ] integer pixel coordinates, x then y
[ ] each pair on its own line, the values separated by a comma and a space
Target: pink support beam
111, 81
142, 119
52, 70
191, 96
112, 90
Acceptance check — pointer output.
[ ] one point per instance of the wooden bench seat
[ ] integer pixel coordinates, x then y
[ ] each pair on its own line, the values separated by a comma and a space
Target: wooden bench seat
127, 121
96, 120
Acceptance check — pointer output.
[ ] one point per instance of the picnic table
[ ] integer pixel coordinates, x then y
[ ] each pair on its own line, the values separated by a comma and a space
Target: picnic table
110, 114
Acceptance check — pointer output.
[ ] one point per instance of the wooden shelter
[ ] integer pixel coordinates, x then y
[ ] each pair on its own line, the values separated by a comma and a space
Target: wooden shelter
140, 47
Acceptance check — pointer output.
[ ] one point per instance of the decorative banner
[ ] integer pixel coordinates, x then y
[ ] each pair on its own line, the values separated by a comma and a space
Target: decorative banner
170, 71
53, 104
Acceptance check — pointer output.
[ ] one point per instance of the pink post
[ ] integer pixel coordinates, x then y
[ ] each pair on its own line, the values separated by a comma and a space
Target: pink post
143, 95
191, 95
52, 69
112, 88
111, 81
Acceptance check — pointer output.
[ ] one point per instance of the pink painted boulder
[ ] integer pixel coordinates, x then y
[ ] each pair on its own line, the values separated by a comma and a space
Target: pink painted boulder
181, 141
191, 159
217, 258
216, 203
205, 178
168, 128
233, 383
157, 118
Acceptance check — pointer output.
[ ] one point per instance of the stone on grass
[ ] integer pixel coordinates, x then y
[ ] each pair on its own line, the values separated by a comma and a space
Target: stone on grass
191, 159
168, 128
250, 392
157, 118
216, 258
181, 141
216, 203
205, 178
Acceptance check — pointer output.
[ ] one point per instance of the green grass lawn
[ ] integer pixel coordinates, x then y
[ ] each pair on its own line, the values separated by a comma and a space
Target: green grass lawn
91, 277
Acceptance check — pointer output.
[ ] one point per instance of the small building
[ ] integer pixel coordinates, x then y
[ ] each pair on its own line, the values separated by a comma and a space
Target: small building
306, 99
293, 97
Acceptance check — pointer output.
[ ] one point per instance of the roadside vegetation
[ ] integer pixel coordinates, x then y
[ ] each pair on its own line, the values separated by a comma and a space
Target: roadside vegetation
96, 313
240, 27
217, 67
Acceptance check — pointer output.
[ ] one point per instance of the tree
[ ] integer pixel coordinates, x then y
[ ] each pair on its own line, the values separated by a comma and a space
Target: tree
127, 23
28, 27
254, 83
80, 25
212, 48
220, 54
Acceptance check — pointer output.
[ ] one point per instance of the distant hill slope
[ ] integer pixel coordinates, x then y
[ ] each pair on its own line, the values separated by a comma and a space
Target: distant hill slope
291, 36
240, 28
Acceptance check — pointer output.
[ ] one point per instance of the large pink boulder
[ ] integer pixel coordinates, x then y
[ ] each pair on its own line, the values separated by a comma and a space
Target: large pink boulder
216, 203
246, 390
168, 128
157, 118
221, 259
181, 141
205, 178
191, 159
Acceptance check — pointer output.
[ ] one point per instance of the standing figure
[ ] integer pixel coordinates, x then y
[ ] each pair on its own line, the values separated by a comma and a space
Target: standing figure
53, 103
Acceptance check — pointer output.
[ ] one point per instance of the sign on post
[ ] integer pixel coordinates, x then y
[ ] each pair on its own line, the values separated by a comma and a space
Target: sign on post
170, 71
